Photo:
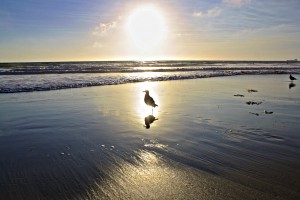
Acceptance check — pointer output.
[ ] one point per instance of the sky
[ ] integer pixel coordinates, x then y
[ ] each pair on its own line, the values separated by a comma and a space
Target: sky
78, 30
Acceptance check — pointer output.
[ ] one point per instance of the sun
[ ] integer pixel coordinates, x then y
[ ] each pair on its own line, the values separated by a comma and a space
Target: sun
146, 27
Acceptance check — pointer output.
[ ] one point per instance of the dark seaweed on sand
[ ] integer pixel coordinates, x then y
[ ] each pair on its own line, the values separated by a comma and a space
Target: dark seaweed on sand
254, 102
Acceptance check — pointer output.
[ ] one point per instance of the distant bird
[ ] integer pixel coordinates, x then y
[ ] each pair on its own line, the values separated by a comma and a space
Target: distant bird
149, 100
292, 78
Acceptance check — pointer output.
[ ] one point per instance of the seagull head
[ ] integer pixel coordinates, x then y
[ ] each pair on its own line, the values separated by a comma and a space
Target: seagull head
146, 91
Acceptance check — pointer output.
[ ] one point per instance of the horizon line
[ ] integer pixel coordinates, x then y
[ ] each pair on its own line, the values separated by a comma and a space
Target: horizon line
137, 60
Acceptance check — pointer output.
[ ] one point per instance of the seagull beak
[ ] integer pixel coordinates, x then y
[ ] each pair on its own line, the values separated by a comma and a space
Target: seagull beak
144, 91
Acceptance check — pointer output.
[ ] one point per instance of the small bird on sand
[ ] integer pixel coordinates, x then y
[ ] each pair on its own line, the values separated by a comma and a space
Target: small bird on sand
292, 78
149, 100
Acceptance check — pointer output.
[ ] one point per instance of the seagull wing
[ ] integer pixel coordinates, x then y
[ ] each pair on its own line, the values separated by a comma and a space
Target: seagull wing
152, 102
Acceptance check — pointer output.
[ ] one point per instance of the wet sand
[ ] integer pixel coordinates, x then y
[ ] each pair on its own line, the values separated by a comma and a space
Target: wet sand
91, 143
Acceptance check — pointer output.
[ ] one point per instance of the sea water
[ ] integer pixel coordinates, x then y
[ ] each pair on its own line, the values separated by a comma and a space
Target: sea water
28, 77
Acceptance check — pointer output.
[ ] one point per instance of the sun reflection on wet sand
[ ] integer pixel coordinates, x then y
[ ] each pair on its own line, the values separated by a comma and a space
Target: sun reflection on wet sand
148, 175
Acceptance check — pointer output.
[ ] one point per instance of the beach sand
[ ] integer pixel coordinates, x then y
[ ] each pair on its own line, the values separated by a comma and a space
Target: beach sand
91, 143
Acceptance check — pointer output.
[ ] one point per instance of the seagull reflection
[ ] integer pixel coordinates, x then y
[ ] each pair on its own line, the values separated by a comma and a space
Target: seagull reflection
291, 85
149, 120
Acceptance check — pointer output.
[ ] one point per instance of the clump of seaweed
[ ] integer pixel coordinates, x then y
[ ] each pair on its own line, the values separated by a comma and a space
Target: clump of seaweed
238, 95
254, 102
254, 113
268, 112
252, 90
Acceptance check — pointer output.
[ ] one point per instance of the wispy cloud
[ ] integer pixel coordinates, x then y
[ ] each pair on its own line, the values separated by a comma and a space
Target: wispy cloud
282, 30
237, 2
198, 14
103, 28
101, 31
214, 12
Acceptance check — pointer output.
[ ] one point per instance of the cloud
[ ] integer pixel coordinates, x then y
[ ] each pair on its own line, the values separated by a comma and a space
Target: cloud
198, 14
214, 12
104, 32
237, 2
278, 32
103, 28
101, 32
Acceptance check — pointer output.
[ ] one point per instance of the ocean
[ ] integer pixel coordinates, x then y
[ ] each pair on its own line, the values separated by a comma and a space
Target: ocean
43, 76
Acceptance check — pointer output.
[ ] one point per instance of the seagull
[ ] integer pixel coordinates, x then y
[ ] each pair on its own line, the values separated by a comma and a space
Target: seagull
292, 78
149, 100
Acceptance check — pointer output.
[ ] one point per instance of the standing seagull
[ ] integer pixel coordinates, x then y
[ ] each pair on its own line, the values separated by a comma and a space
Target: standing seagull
292, 78
149, 100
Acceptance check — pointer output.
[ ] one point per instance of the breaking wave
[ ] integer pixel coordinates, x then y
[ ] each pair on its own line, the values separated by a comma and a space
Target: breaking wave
28, 77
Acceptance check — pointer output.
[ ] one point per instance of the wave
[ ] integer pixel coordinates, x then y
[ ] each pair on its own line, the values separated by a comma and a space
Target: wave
29, 77
30, 83
134, 66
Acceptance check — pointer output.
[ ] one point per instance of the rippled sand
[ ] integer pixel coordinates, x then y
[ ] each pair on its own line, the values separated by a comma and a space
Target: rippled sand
91, 143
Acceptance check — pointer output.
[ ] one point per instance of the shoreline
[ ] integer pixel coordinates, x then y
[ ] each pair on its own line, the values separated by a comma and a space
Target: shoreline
36, 83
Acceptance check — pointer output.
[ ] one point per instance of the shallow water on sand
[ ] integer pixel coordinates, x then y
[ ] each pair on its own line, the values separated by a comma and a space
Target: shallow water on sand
92, 143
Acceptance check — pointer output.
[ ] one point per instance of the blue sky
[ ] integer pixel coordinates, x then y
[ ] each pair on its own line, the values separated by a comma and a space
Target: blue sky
65, 30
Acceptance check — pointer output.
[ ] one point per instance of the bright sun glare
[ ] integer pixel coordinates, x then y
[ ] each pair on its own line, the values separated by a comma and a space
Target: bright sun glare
146, 27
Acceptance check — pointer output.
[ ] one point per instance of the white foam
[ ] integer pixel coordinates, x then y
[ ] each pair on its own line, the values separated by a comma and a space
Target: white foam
53, 76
